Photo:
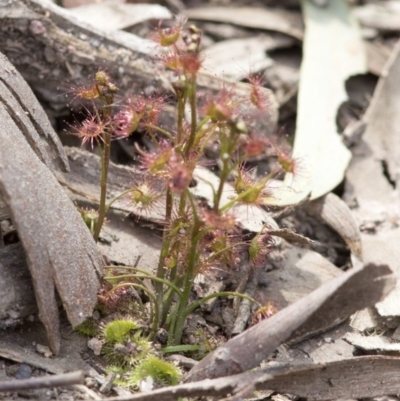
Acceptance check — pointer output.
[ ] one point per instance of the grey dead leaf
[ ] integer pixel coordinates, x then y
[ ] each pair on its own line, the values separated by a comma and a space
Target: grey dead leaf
60, 251
123, 240
382, 117
372, 343
365, 319
384, 247
332, 52
235, 58
383, 15
37, 128
326, 306
377, 201
278, 20
373, 375
326, 347
112, 17
334, 211
303, 271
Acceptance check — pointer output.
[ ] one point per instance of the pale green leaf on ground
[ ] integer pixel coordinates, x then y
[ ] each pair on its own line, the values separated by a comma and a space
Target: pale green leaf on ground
332, 52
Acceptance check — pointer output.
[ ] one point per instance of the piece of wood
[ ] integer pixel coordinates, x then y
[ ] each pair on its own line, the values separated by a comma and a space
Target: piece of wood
55, 53
22, 105
360, 377
60, 251
65, 379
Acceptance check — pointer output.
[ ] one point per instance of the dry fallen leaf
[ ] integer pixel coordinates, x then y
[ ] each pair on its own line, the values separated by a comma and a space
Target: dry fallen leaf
278, 20
332, 52
303, 271
376, 198
112, 17
383, 15
235, 58
334, 211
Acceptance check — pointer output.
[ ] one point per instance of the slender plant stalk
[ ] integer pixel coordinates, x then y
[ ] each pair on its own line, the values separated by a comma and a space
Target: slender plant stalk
103, 185
201, 301
193, 110
166, 241
177, 330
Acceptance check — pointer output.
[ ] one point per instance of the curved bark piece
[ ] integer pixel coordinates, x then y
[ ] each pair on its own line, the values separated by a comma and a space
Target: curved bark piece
60, 251
337, 214
25, 110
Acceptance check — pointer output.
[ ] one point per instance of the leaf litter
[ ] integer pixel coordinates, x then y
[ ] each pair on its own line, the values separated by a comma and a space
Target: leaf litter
372, 212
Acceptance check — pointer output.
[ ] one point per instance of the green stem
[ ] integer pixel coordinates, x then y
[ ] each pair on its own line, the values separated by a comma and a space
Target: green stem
193, 110
242, 195
216, 254
223, 176
109, 204
161, 131
166, 241
103, 184
196, 304
149, 276
169, 295
153, 305
177, 329
181, 111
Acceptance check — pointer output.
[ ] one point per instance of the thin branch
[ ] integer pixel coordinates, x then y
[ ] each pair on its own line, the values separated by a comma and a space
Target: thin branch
65, 379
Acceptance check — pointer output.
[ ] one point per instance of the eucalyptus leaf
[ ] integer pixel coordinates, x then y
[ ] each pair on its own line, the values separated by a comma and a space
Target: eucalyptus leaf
332, 52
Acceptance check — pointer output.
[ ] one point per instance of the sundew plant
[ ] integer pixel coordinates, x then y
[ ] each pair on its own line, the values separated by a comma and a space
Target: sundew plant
196, 236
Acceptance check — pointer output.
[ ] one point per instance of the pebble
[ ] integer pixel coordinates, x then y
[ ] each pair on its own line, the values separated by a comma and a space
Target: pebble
24, 372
